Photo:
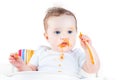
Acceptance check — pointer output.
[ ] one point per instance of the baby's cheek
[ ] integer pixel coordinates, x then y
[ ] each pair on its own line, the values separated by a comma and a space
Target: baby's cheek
72, 40
55, 40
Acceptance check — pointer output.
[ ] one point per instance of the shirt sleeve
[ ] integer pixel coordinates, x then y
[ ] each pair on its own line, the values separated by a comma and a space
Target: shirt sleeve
38, 54
81, 57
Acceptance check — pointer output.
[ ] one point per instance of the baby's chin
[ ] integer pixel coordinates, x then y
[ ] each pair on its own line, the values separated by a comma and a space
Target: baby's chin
65, 49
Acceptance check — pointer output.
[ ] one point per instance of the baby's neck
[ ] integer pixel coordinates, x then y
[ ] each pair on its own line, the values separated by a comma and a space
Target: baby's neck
61, 51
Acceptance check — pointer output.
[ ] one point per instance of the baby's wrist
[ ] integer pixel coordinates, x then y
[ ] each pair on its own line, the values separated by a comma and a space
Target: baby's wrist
24, 68
21, 68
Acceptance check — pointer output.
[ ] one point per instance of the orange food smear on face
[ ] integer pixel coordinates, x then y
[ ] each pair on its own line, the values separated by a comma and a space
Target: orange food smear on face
64, 43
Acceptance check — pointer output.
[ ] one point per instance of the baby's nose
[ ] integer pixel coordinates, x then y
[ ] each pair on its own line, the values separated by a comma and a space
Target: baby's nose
65, 39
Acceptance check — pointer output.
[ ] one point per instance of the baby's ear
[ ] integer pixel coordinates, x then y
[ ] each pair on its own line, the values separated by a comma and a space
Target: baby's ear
46, 35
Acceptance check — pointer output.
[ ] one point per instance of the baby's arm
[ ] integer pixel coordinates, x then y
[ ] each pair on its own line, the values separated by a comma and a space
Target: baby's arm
16, 61
92, 62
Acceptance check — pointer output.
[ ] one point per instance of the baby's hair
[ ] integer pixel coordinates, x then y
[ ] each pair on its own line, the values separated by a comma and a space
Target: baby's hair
57, 11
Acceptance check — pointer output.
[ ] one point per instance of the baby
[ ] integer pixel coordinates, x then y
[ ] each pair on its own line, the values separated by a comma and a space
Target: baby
60, 27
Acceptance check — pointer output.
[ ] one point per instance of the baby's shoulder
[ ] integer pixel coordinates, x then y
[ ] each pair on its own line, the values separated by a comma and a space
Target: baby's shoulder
42, 49
78, 52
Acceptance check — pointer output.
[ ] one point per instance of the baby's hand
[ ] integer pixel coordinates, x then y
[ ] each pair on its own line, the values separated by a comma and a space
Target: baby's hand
84, 39
16, 60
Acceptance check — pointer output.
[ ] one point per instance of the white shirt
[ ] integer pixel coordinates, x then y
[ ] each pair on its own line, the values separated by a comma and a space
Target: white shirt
48, 60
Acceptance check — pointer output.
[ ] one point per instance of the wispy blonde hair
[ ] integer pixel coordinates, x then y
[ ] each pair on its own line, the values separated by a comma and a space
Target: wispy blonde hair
56, 11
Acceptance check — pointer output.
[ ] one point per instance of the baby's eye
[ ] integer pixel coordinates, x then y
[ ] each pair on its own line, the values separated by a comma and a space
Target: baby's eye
69, 31
57, 32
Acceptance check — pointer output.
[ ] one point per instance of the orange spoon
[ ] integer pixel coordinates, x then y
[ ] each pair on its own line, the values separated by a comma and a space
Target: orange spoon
89, 49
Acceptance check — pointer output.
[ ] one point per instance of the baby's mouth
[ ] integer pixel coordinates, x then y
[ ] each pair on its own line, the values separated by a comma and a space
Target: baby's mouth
64, 44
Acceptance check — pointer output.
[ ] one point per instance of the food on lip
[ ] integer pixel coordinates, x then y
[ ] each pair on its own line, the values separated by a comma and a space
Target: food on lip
64, 43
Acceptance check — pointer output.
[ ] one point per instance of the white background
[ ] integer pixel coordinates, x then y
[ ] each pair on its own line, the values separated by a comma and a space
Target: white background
21, 26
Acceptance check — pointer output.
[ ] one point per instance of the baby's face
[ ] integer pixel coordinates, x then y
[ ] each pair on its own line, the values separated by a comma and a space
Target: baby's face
61, 32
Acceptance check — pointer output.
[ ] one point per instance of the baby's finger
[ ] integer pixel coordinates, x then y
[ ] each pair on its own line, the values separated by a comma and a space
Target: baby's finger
14, 56
11, 58
86, 38
11, 54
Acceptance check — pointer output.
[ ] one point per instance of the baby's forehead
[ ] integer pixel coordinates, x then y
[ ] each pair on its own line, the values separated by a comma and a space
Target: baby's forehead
61, 28
68, 27
64, 21
62, 17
